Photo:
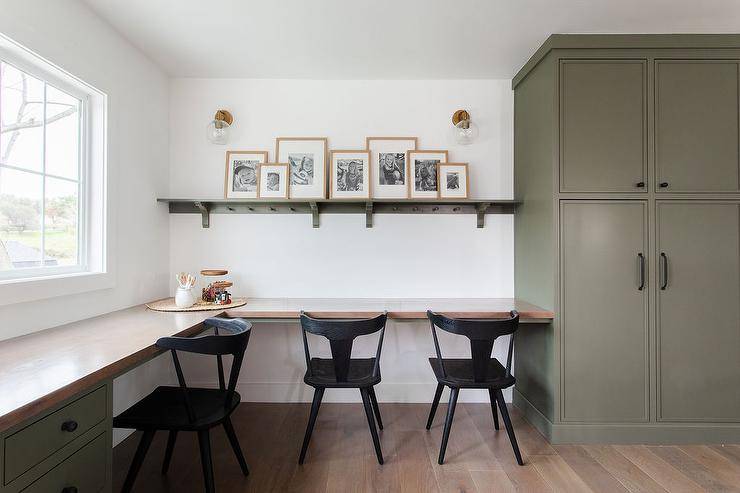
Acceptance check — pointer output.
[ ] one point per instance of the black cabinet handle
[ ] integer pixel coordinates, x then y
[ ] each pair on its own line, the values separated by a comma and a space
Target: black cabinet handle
640, 184
664, 270
641, 261
69, 426
664, 184
69, 489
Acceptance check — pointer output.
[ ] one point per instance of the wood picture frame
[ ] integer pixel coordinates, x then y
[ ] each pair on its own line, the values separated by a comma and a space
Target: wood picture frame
381, 150
347, 181
420, 186
242, 190
266, 188
457, 187
307, 159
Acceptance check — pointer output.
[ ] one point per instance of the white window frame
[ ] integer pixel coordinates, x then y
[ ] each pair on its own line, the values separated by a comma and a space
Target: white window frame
92, 270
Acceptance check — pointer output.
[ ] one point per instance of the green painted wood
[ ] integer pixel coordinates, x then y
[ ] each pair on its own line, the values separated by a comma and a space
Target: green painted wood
604, 314
85, 470
699, 312
696, 125
534, 233
644, 42
603, 125
40, 439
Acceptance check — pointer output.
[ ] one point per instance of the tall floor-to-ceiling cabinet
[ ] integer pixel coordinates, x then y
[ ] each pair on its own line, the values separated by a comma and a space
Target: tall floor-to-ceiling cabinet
627, 161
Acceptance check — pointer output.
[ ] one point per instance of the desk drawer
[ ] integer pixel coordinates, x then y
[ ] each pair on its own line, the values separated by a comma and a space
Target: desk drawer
85, 471
29, 446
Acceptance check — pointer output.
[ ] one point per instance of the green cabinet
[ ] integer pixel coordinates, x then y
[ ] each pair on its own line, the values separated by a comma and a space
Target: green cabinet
594, 117
696, 125
603, 125
604, 306
698, 301
83, 472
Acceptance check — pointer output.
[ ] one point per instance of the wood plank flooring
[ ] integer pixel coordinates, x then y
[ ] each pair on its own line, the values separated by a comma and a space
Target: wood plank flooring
479, 459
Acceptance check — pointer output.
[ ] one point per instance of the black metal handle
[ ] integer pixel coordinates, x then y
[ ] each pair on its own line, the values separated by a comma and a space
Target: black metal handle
641, 261
69, 426
69, 489
663, 184
640, 184
664, 270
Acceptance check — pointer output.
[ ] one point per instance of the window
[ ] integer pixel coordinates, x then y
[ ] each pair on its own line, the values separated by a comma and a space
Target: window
52, 170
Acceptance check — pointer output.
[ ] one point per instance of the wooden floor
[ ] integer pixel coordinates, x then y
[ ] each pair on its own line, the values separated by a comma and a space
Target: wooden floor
341, 457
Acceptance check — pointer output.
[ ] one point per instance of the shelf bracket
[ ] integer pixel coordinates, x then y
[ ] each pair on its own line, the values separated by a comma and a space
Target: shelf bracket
204, 214
368, 214
315, 213
481, 213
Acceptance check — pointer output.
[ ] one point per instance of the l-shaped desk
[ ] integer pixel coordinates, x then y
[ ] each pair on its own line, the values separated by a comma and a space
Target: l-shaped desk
64, 374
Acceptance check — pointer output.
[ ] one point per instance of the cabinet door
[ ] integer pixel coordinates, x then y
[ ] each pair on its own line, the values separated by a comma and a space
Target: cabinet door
696, 126
698, 311
603, 116
604, 325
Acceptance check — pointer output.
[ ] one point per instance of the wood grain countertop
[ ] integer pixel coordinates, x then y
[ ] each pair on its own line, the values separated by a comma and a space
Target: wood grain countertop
40, 370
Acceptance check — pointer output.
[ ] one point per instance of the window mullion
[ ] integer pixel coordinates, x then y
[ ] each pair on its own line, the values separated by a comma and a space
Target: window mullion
43, 184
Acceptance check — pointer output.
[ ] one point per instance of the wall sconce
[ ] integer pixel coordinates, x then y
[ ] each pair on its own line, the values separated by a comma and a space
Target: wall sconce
217, 130
464, 130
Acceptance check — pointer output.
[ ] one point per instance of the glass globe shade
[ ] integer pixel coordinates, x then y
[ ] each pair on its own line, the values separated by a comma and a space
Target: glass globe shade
465, 132
217, 132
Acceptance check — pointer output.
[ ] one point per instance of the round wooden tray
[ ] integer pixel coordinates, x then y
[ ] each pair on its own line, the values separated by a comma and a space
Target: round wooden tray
168, 305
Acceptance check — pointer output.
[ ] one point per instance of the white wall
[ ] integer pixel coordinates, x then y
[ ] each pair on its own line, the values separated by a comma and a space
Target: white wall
71, 36
401, 256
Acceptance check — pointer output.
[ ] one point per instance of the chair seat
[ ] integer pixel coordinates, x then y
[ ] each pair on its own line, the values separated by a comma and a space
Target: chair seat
360, 373
460, 374
164, 409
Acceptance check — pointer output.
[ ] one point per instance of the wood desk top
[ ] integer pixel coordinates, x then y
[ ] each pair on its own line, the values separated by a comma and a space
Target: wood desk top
40, 370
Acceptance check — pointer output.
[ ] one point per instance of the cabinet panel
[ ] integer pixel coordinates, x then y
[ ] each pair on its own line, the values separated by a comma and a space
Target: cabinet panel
696, 126
699, 312
603, 116
82, 472
604, 311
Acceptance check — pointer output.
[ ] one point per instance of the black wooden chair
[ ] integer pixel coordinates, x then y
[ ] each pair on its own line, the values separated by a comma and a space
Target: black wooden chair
478, 372
192, 409
343, 371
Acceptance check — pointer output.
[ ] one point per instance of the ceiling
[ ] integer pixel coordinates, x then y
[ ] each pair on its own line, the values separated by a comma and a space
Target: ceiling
384, 39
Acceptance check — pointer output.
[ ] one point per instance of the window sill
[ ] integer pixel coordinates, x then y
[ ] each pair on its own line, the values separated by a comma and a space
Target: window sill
40, 288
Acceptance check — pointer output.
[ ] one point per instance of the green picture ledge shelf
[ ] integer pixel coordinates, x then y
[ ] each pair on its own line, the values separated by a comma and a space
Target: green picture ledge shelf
314, 207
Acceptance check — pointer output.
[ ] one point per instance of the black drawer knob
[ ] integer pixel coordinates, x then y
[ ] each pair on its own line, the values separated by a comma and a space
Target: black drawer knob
70, 489
640, 184
69, 426
664, 184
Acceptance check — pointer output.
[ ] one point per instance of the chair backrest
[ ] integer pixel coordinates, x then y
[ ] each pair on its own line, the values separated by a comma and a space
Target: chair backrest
341, 334
230, 336
482, 335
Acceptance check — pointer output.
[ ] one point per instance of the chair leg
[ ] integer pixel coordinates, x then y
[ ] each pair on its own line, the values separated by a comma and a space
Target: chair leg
318, 394
229, 428
141, 450
448, 423
509, 428
376, 408
171, 438
365, 393
435, 403
492, 397
204, 441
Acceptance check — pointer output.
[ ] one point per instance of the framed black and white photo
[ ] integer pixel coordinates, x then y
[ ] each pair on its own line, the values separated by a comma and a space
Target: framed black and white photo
306, 158
453, 180
273, 181
241, 173
423, 171
389, 168
350, 175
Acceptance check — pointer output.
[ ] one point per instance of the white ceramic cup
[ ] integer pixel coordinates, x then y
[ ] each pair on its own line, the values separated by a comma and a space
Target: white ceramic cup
184, 298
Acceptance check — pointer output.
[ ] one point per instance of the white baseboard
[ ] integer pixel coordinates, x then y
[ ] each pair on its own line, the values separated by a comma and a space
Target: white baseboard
386, 392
